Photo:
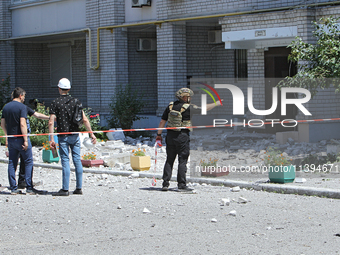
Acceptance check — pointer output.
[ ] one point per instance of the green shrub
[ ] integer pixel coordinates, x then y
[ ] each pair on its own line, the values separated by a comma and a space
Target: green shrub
94, 122
38, 140
2, 139
39, 126
125, 106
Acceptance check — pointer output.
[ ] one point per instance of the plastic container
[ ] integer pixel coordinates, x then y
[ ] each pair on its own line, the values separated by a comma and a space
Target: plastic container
282, 174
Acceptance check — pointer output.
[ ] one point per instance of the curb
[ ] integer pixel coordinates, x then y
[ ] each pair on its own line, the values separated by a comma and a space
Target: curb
268, 187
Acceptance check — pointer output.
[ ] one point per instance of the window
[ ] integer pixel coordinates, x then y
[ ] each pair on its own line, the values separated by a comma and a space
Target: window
241, 65
60, 64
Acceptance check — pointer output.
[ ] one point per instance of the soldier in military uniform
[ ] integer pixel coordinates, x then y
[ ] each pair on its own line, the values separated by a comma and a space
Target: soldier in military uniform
177, 114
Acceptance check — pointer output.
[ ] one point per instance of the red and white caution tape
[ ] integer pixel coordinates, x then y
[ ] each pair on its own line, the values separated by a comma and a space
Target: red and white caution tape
170, 128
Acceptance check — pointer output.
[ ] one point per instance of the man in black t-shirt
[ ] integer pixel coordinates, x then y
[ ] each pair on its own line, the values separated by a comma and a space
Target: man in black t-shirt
177, 114
62, 110
13, 123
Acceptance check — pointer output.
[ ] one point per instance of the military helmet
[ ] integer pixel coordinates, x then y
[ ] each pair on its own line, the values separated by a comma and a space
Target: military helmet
184, 92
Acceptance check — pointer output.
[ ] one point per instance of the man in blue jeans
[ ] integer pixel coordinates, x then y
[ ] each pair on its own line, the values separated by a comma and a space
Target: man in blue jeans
62, 110
13, 122
38, 115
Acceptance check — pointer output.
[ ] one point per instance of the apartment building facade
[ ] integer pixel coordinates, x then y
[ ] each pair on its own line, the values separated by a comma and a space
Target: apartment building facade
158, 47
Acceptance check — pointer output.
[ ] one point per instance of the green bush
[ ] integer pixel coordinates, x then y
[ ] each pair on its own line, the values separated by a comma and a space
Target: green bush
2, 139
94, 121
38, 140
125, 106
39, 126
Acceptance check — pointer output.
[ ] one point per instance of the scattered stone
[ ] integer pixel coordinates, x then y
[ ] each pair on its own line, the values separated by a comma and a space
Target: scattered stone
213, 220
146, 210
134, 175
300, 180
242, 200
119, 207
290, 141
118, 135
235, 189
232, 213
225, 201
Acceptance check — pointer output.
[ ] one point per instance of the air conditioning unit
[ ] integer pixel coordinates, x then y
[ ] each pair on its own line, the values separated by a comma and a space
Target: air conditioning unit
215, 36
140, 3
146, 44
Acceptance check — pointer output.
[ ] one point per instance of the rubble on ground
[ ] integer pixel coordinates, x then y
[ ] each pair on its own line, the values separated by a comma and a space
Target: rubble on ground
230, 148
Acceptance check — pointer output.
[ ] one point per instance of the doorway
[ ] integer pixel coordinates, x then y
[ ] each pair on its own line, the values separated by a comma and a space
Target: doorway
278, 67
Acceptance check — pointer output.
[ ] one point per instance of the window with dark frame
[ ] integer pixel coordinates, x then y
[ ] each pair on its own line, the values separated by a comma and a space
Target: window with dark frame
60, 64
241, 65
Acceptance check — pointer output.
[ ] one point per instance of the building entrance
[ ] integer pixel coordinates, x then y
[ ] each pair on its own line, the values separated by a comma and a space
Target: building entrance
278, 67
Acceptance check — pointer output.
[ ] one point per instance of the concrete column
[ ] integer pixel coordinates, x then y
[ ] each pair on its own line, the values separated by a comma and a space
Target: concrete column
171, 62
256, 69
113, 69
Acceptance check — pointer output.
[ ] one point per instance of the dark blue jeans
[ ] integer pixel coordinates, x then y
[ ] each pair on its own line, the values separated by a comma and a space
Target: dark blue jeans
15, 149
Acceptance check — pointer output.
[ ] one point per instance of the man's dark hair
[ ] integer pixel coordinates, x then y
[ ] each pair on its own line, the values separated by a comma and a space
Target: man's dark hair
18, 92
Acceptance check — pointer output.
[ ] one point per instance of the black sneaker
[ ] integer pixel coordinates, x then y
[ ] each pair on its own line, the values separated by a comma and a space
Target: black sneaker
22, 185
34, 191
61, 192
165, 188
16, 191
78, 192
184, 188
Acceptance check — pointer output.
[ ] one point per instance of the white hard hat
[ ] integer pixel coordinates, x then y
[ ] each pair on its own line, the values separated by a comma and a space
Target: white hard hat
64, 83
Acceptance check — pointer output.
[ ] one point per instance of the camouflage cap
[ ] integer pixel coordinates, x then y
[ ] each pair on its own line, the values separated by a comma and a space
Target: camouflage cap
184, 92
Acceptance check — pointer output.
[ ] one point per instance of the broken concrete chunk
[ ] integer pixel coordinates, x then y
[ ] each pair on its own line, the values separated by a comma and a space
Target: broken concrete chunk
117, 135
242, 200
300, 180
146, 210
235, 189
225, 201
135, 175
232, 213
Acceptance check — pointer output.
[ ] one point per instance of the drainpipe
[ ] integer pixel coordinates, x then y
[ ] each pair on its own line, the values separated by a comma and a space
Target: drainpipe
160, 22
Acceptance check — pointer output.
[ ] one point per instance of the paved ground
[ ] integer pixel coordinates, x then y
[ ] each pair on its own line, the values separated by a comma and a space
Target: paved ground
109, 218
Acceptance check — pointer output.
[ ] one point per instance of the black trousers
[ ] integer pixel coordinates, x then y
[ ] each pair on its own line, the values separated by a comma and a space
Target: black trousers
177, 143
22, 172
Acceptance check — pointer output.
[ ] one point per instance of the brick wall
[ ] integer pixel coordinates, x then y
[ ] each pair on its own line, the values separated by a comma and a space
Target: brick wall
113, 68
171, 64
32, 65
143, 69
207, 60
176, 9
7, 64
